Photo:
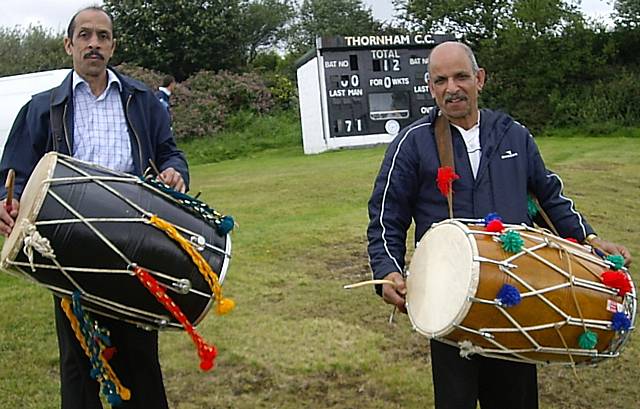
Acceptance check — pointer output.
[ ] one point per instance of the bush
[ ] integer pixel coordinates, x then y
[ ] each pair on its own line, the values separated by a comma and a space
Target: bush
283, 90
237, 91
201, 104
614, 100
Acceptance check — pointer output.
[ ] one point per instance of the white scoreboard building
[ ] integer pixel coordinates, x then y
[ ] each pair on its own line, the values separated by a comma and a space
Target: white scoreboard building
358, 91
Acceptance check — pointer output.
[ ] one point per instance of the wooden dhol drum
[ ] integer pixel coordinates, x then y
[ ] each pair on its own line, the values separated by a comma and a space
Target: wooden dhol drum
458, 270
96, 222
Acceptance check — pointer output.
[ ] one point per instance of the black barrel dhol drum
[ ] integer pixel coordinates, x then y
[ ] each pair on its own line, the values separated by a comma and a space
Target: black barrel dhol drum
81, 227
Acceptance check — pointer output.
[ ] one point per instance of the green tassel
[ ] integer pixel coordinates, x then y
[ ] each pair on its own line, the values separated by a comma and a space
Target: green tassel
511, 241
588, 340
617, 260
532, 207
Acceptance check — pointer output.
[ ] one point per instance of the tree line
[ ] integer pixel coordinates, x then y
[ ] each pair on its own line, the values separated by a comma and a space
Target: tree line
547, 64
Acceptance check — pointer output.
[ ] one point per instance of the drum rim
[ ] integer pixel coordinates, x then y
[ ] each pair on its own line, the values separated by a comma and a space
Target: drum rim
474, 281
27, 213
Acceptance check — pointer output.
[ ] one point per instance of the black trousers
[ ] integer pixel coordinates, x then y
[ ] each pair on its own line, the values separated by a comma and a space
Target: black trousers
135, 364
459, 383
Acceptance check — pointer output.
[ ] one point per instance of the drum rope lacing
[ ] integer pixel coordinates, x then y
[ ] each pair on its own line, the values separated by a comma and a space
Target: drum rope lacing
587, 341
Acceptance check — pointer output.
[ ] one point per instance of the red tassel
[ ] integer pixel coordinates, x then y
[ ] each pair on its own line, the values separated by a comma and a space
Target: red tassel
495, 226
108, 353
617, 280
206, 352
445, 179
571, 239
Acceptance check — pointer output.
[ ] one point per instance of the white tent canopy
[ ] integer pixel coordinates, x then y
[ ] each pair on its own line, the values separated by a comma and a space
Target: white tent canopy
15, 91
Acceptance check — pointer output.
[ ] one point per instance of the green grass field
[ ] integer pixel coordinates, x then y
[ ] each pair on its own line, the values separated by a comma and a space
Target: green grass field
296, 338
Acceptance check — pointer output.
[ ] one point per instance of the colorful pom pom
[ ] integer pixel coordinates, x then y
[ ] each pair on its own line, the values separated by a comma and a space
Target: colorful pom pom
224, 306
226, 225
571, 239
588, 340
109, 353
511, 241
491, 217
532, 207
495, 226
446, 177
617, 260
620, 322
618, 280
207, 357
508, 296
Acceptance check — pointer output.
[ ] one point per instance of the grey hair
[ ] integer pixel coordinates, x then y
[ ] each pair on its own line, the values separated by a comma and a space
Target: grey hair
472, 57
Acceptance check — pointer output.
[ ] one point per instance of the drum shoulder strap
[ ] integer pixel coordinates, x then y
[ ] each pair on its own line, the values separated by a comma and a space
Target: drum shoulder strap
444, 142
56, 113
445, 150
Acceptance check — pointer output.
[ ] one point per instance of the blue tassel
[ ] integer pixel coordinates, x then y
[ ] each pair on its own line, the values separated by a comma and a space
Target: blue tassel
114, 399
490, 217
508, 296
620, 322
226, 225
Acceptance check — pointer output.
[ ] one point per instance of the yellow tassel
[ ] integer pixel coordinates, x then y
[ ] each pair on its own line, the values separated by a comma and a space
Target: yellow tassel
223, 305
125, 394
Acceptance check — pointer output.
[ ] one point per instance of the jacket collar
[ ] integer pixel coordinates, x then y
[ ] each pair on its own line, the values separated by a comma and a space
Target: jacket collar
64, 92
493, 128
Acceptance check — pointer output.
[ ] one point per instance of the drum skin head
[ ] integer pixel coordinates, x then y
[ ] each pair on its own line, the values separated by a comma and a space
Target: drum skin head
442, 275
31, 201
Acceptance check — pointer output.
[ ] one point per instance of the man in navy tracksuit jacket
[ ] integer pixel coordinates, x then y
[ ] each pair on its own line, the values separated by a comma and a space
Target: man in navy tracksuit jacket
506, 167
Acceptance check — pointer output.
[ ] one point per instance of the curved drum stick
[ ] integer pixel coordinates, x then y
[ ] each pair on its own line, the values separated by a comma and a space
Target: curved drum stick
8, 184
370, 282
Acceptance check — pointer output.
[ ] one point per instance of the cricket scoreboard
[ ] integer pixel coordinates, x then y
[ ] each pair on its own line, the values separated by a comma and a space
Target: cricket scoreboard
357, 91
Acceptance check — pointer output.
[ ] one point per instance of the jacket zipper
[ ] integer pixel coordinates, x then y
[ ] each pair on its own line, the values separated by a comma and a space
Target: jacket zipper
135, 134
66, 134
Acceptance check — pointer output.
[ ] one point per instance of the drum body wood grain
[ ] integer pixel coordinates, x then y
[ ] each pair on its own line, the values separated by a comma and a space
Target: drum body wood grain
458, 270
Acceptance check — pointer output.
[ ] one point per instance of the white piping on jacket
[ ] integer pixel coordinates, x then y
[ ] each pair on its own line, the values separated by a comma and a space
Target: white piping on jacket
384, 196
584, 230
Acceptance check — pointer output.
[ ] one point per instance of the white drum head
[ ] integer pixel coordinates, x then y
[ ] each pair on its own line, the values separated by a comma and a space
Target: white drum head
31, 201
442, 275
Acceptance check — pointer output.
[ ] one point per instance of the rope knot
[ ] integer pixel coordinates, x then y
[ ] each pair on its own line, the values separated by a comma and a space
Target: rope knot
34, 241
467, 349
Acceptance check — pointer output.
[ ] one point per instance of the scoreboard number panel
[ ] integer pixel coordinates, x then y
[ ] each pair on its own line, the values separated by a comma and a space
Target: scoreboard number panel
366, 88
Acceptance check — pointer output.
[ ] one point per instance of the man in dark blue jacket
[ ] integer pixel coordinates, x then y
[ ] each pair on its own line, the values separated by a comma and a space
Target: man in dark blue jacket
103, 117
498, 163
164, 93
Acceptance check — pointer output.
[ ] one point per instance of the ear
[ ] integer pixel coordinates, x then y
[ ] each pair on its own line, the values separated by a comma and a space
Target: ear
481, 76
113, 47
68, 44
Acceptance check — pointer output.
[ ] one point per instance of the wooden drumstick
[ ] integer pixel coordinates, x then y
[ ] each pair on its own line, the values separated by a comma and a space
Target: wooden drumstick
154, 167
369, 282
8, 184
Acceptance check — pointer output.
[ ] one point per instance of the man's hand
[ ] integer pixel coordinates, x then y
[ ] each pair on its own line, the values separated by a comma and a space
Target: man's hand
612, 248
394, 294
173, 178
7, 218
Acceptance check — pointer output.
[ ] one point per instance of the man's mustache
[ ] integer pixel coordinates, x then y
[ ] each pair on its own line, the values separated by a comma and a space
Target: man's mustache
93, 53
457, 95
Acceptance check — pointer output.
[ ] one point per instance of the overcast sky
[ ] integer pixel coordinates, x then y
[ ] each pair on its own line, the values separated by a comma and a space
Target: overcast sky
55, 14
